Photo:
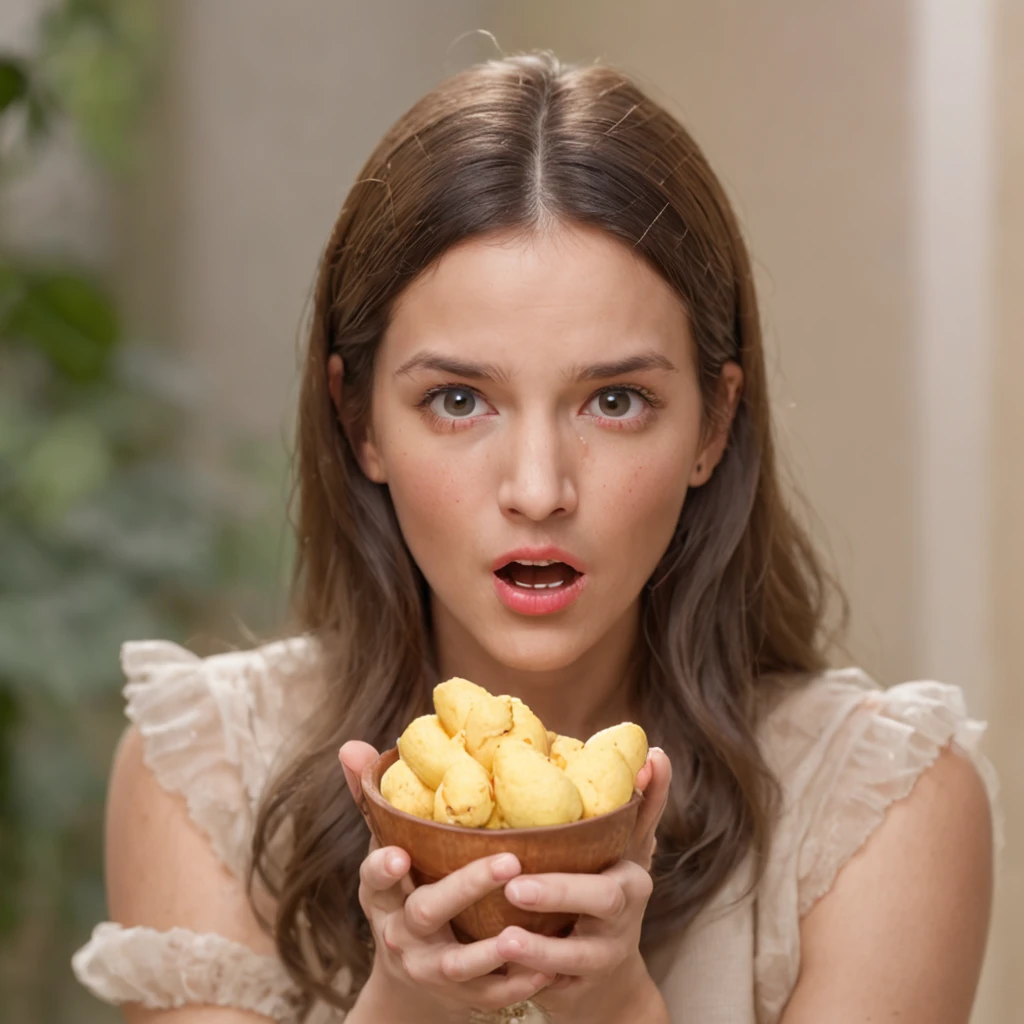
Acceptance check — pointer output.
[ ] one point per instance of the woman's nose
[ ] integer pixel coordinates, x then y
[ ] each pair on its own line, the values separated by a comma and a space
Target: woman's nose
539, 475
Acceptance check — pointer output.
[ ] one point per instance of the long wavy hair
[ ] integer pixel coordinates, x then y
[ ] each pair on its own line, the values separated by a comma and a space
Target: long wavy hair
740, 597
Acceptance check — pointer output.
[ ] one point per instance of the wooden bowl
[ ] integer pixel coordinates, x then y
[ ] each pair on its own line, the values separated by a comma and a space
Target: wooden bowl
436, 849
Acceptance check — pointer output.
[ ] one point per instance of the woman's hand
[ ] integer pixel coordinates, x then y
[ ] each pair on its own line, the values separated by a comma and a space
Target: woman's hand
601, 976
421, 972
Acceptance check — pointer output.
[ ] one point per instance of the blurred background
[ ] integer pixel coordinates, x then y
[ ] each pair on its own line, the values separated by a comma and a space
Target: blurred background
169, 172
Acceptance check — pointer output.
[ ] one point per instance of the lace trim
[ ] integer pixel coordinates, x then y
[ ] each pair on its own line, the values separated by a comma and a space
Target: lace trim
166, 970
184, 742
903, 737
211, 727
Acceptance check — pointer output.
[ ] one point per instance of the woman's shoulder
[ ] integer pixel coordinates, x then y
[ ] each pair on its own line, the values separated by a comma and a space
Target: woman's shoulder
212, 728
843, 749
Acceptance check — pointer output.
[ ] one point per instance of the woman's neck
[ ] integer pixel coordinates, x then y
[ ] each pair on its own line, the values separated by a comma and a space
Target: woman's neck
591, 693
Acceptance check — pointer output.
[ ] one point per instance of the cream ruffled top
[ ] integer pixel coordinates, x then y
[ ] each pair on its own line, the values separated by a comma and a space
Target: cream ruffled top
842, 748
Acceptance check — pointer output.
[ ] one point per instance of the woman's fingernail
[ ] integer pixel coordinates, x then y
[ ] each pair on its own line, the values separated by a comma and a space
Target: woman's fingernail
395, 864
505, 866
523, 891
540, 980
514, 946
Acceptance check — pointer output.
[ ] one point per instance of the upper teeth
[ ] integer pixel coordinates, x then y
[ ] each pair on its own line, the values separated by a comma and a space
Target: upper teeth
547, 561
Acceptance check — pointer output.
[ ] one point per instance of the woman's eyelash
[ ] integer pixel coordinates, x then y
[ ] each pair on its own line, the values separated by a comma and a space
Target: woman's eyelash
647, 395
431, 393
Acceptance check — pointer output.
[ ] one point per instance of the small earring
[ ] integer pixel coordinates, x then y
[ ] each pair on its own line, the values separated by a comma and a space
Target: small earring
700, 466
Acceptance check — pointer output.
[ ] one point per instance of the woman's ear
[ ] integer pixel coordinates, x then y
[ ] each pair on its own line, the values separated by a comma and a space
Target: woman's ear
361, 441
730, 389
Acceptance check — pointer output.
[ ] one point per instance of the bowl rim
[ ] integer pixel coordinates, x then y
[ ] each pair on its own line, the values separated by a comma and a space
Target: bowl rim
372, 792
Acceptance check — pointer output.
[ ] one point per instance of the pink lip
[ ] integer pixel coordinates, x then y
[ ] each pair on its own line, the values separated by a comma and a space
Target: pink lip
537, 602
538, 555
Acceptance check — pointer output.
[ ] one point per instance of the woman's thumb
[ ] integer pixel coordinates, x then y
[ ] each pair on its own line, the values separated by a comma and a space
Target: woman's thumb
641, 847
354, 757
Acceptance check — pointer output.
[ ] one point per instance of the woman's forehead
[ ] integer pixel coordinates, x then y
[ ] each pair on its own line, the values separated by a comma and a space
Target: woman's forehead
569, 294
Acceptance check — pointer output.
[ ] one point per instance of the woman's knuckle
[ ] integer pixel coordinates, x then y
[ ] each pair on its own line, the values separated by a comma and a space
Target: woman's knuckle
615, 900
388, 935
417, 915
415, 969
451, 966
369, 871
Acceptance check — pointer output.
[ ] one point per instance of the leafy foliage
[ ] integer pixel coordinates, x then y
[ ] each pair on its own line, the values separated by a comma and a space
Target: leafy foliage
109, 529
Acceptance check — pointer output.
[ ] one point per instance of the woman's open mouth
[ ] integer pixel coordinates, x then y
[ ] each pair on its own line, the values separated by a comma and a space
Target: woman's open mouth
537, 587
547, 575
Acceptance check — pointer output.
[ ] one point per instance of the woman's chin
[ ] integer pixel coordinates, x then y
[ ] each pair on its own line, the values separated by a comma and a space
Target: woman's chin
537, 655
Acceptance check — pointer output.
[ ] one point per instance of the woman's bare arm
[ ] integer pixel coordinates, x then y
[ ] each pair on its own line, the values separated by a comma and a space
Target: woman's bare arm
162, 873
901, 935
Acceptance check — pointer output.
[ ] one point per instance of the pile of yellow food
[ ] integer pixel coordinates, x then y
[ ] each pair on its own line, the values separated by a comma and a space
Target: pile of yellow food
488, 762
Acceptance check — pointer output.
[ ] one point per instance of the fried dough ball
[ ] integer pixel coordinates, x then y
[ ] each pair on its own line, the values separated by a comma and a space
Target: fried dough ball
402, 788
628, 739
529, 790
428, 750
495, 820
464, 796
603, 778
493, 719
452, 701
562, 747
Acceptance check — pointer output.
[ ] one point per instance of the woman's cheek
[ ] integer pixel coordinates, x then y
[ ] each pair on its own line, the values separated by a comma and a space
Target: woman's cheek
431, 497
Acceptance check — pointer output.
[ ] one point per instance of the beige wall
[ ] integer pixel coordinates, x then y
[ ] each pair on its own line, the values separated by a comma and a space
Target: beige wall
1008, 482
267, 112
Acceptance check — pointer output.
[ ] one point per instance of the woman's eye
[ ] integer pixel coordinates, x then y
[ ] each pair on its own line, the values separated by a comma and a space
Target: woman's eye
620, 404
454, 403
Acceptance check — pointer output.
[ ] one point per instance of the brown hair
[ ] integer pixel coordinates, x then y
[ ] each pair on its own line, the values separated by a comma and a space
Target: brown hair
739, 595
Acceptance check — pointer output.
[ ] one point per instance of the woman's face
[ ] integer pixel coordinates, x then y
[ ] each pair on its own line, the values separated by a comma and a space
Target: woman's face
500, 421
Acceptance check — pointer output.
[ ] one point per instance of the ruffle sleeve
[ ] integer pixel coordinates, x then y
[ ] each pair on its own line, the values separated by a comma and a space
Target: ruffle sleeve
902, 734
844, 749
165, 970
211, 730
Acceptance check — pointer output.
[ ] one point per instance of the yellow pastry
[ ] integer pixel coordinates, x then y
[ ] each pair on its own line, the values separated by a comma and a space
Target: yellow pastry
562, 747
495, 820
452, 701
464, 796
603, 778
628, 739
402, 788
529, 790
428, 750
493, 719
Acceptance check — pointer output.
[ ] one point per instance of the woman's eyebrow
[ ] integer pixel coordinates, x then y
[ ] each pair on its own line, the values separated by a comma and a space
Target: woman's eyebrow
489, 371
456, 367
620, 367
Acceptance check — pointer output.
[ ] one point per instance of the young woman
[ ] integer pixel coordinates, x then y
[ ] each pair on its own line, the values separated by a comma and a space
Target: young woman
536, 340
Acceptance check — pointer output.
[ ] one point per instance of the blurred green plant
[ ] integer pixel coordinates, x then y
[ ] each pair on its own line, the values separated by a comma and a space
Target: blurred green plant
108, 531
